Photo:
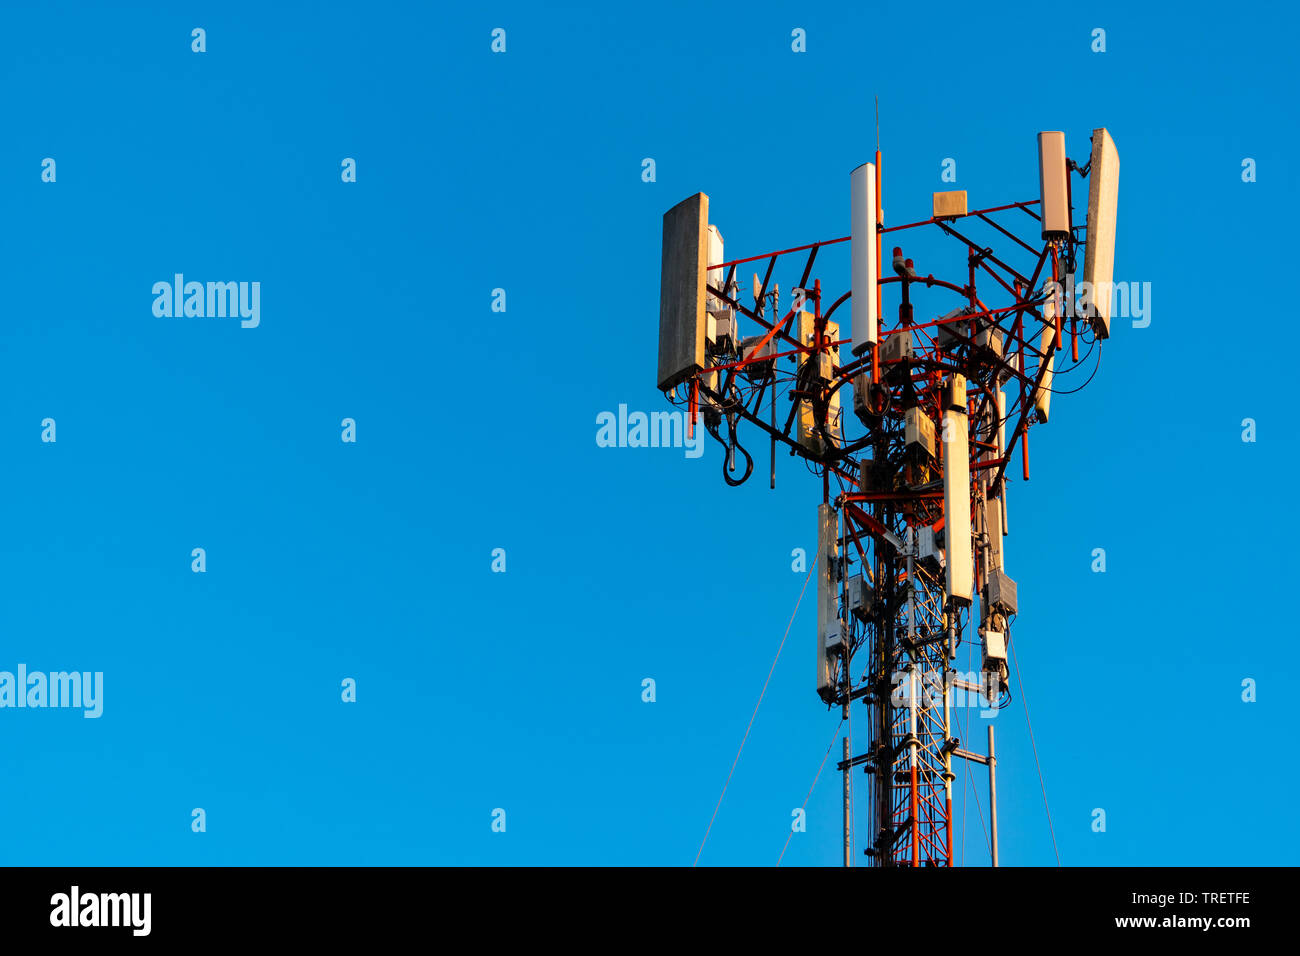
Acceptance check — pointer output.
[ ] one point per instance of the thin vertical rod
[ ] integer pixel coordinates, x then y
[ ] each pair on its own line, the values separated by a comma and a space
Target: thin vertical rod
848, 808
993, 798
773, 475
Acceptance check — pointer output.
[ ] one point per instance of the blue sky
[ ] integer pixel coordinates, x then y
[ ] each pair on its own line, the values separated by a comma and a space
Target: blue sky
476, 430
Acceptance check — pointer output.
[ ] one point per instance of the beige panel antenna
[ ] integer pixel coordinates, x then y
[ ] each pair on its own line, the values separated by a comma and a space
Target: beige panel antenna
682, 290
1043, 395
950, 205
1053, 185
1103, 201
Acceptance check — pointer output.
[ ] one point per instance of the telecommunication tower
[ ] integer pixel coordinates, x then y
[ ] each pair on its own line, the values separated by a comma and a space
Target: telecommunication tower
912, 433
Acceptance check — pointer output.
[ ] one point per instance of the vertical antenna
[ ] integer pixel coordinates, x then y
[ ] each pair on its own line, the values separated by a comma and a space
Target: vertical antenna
880, 223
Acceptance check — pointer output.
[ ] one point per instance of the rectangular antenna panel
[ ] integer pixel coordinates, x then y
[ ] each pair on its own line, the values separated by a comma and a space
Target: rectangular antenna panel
1053, 185
960, 568
1043, 396
1099, 255
681, 291
993, 527
949, 205
715, 277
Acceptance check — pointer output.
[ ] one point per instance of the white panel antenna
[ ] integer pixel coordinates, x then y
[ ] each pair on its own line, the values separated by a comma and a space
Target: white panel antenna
862, 253
1053, 185
960, 567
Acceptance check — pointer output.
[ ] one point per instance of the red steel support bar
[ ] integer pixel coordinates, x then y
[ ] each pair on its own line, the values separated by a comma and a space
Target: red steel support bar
880, 221
772, 255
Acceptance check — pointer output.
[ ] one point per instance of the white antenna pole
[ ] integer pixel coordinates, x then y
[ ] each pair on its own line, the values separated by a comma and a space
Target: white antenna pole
862, 252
